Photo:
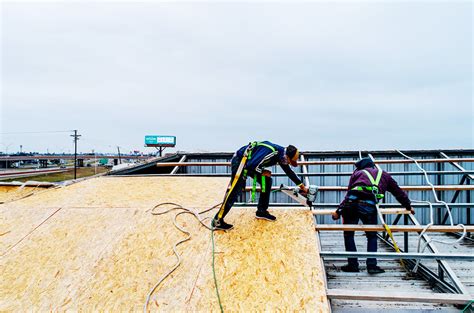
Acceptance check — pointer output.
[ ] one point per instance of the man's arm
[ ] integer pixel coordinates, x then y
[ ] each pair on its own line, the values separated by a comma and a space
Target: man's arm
260, 166
291, 175
398, 193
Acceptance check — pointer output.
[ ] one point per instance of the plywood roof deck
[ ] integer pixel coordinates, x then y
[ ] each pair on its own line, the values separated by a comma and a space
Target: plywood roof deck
9, 193
96, 246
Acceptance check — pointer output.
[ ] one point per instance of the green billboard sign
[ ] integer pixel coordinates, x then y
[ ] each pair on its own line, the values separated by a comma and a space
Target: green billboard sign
160, 141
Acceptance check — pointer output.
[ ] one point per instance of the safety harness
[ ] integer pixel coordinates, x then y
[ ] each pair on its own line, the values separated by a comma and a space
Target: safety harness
254, 184
374, 189
378, 196
241, 171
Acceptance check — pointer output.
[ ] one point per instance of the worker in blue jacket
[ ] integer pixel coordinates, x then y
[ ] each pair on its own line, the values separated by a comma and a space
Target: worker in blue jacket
251, 161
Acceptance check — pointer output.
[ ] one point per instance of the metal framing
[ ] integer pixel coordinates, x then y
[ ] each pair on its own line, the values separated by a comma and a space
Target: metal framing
396, 256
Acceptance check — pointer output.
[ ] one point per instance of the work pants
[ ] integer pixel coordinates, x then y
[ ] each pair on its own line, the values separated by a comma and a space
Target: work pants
351, 214
263, 200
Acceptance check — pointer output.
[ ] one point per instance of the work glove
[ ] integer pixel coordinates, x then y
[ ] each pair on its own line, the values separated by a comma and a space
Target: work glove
304, 190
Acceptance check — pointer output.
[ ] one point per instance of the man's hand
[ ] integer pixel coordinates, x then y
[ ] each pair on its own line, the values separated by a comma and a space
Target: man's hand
411, 210
335, 215
266, 173
304, 190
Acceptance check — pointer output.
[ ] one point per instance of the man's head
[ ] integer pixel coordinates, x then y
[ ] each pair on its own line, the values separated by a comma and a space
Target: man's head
292, 155
364, 163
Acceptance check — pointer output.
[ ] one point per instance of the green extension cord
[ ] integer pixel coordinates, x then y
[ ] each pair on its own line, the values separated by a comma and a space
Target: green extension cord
214, 271
467, 306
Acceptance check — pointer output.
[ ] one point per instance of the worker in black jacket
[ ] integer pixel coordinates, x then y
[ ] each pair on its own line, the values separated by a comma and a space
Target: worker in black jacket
251, 160
367, 186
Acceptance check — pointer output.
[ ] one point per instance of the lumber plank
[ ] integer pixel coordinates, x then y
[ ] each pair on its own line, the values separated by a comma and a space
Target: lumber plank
345, 294
392, 161
383, 211
394, 228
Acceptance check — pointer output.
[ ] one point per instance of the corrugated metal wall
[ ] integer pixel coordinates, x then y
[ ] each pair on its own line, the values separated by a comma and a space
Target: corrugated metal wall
459, 215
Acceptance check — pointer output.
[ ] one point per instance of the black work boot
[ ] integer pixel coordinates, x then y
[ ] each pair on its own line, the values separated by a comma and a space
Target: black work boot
350, 268
221, 225
375, 270
264, 215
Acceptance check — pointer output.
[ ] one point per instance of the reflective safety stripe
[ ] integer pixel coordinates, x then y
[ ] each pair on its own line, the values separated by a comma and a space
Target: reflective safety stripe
265, 145
372, 181
263, 183
375, 184
256, 144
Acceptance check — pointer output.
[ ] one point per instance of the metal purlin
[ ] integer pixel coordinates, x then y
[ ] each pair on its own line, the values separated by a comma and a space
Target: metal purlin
431, 223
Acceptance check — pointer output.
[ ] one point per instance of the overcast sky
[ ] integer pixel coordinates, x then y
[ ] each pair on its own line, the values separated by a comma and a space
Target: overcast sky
323, 76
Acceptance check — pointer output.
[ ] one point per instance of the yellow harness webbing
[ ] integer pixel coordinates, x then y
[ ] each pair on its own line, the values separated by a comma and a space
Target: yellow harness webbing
232, 186
389, 232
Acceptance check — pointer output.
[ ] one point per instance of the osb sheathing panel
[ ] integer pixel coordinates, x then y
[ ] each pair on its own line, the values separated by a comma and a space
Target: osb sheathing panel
141, 192
8, 193
264, 266
107, 257
16, 224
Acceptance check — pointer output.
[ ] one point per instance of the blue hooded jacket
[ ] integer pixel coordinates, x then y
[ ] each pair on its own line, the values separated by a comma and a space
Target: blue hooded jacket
263, 157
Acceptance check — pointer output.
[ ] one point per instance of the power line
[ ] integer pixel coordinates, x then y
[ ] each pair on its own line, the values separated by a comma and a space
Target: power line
38, 132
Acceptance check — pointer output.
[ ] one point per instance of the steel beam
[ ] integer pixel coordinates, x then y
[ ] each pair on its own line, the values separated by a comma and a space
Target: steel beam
426, 273
456, 165
338, 162
401, 297
183, 159
455, 197
395, 228
396, 256
382, 205
330, 174
443, 264
408, 188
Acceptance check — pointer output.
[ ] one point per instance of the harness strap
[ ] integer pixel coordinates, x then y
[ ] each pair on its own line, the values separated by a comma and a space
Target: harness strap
254, 183
375, 185
256, 144
235, 180
376, 181
254, 187
247, 156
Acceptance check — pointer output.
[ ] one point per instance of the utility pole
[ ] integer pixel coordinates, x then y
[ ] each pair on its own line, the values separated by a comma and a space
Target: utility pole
95, 162
76, 138
120, 159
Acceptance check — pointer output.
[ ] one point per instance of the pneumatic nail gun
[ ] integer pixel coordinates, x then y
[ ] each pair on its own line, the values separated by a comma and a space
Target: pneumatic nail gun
296, 194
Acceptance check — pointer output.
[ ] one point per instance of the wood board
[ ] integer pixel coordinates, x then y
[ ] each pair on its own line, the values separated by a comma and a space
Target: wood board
103, 250
9, 193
